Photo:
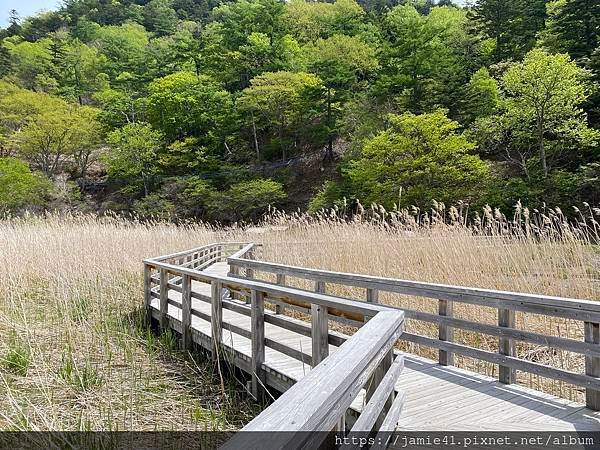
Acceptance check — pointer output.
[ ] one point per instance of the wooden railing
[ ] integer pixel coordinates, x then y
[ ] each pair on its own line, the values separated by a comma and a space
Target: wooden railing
318, 402
365, 361
506, 303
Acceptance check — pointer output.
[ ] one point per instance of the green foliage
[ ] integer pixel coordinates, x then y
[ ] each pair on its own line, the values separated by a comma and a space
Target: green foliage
246, 200
419, 52
18, 357
283, 100
160, 17
19, 187
309, 21
483, 95
329, 195
547, 91
419, 157
134, 155
184, 104
199, 97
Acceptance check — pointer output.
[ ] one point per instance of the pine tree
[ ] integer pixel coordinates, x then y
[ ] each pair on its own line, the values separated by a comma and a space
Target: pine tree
577, 24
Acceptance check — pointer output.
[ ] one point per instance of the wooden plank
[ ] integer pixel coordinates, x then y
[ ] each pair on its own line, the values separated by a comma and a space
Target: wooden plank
376, 379
216, 317
164, 298
320, 329
376, 404
372, 295
520, 335
280, 281
446, 333
186, 313
343, 307
592, 364
391, 419
258, 342
305, 358
506, 346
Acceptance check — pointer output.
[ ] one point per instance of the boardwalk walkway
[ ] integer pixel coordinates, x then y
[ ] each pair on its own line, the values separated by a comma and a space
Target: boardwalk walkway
437, 397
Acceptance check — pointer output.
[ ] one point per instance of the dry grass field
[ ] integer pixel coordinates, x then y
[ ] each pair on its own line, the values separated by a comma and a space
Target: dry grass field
74, 353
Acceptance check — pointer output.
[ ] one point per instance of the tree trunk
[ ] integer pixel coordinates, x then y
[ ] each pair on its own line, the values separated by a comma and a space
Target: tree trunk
329, 154
541, 146
257, 148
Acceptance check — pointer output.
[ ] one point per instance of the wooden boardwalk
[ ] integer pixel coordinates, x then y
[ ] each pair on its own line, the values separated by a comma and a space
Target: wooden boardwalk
437, 397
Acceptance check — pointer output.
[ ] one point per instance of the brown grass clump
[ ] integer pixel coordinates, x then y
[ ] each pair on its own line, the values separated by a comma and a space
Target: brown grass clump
74, 354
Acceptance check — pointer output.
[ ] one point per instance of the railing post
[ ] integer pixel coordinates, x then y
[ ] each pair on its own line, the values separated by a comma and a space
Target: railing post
164, 298
446, 333
279, 309
148, 293
186, 312
216, 317
372, 295
506, 346
592, 364
257, 317
319, 326
234, 271
375, 381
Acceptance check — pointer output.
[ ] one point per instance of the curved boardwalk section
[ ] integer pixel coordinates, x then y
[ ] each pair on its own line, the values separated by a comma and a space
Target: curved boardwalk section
361, 383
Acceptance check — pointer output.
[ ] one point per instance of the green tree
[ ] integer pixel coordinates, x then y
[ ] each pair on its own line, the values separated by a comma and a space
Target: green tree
160, 17
247, 200
19, 187
134, 154
548, 91
341, 62
418, 54
308, 21
55, 132
184, 104
576, 24
511, 24
32, 63
483, 95
417, 159
283, 100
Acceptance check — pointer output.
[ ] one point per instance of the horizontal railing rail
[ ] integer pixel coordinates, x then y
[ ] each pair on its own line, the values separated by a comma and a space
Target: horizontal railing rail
506, 303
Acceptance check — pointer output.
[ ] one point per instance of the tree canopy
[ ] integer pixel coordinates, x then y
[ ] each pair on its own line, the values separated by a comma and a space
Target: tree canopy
199, 109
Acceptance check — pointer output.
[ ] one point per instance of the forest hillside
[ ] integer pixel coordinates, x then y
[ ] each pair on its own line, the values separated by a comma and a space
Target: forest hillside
214, 110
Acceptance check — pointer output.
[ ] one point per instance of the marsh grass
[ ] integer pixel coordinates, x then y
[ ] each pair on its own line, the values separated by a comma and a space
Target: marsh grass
76, 353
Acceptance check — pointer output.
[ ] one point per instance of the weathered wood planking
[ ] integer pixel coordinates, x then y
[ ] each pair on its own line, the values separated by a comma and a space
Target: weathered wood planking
284, 354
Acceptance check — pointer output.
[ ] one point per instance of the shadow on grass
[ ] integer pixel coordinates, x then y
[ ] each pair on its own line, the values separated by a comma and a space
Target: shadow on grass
219, 388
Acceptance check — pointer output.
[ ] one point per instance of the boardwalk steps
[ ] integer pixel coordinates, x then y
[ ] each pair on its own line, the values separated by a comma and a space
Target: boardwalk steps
212, 291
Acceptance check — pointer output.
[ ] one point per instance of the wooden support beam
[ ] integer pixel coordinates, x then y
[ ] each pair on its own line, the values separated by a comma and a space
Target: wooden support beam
148, 293
186, 313
446, 333
216, 317
280, 281
164, 298
506, 318
374, 382
320, 328
372, 295
257, 327
592, 364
